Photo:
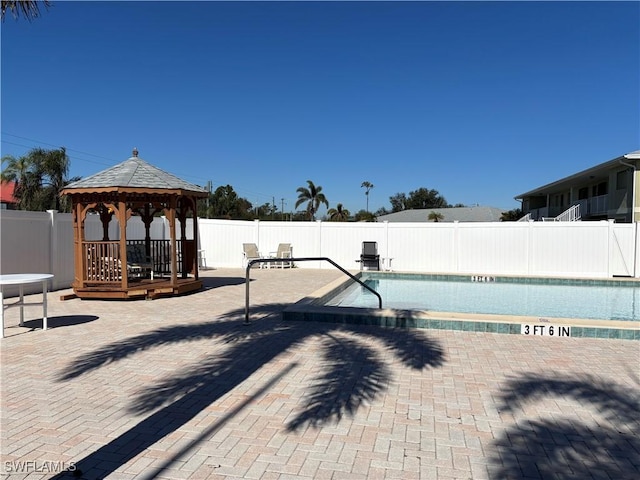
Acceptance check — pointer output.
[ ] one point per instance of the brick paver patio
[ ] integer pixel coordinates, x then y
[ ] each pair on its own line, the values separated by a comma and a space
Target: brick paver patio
178, 388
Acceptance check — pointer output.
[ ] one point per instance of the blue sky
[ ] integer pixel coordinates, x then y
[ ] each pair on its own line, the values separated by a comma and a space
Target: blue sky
481, 101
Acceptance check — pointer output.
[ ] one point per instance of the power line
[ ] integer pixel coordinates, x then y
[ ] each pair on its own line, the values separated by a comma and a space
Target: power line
113, 161
39, 142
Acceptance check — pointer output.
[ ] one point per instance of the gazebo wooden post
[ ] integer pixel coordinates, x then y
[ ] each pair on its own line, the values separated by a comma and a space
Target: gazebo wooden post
182, 216
196, 265
171, 217
122, 219
81, 208
147, 219
78, 237
105, 219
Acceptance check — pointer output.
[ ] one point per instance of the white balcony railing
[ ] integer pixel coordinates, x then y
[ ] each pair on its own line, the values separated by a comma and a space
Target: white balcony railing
598, 205
538, 213
586, 207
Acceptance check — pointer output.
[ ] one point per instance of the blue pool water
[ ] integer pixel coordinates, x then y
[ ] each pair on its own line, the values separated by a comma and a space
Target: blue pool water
613, 301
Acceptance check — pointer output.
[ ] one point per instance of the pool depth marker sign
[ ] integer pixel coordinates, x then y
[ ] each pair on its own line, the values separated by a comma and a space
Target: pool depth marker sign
545, 330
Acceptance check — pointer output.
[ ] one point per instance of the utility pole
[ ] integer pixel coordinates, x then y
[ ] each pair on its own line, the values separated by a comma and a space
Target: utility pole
209, 187
282, 210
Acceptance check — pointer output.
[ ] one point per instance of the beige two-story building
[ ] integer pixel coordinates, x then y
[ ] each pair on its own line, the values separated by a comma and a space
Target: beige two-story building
607, 191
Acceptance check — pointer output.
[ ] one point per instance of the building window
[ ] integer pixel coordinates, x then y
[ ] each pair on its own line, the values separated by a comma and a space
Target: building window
557, 200
622, 180
583, 193
599, 189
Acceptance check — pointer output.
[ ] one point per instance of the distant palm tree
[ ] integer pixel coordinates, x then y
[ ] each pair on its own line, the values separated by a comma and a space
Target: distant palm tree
54, 169
16, 170
368, 186
39, 177
28, 9
313, 196
338, 214
435, 216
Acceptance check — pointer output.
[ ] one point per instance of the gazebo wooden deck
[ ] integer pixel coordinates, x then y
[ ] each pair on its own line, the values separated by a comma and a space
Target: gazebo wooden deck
135, 268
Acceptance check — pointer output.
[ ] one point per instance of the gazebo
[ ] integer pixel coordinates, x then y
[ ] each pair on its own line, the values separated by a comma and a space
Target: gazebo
138, 267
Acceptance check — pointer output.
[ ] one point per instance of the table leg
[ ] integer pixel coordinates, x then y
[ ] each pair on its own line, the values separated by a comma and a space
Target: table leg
2, 313
44, 305
21, 305
386, 264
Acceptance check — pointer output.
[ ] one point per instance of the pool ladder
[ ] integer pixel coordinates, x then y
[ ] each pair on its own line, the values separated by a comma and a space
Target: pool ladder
305, 259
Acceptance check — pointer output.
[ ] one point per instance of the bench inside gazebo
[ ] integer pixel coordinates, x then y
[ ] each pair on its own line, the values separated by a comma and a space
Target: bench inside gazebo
138, 267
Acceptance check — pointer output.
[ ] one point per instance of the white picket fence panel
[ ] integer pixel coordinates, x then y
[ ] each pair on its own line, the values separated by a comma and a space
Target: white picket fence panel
33, 242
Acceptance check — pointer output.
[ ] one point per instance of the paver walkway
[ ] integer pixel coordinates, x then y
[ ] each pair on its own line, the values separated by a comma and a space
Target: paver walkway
178, 388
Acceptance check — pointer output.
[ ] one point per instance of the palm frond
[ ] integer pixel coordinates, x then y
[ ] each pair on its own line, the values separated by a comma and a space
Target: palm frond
28, 9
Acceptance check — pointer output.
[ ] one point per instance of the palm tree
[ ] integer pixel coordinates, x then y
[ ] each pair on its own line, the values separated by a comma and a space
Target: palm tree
313, 196
28, 9
338, 214
16, 171
368, 186
39, 176
53, 167
22, 171
435, 216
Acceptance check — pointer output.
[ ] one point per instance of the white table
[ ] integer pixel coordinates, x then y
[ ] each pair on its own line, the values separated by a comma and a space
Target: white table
386, 264
21, 279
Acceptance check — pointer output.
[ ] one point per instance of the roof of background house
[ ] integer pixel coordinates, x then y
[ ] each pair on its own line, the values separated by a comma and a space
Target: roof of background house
460, 214
6, 192
599, 172
135, 173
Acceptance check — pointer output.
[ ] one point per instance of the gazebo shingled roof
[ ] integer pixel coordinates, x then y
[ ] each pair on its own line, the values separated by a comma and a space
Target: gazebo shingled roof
135, 173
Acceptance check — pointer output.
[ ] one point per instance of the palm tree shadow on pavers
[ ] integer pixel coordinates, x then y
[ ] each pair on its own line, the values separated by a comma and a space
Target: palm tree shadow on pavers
565, 448
353, 373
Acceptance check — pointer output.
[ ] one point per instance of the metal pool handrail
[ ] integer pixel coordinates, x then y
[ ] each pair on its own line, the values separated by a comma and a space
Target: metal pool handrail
305, 259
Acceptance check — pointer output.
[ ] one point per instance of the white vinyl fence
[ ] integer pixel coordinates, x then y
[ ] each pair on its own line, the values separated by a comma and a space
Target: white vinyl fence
42, 242
559, 249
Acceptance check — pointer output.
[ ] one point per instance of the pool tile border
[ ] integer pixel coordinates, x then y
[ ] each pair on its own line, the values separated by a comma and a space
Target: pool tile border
405, 319
597, 282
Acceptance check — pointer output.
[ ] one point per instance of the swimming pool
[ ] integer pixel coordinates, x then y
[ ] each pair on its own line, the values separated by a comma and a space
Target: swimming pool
539, 306
499, 296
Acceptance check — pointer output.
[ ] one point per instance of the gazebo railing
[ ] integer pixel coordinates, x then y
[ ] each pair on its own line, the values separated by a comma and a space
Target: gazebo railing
104, 266
103, 263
